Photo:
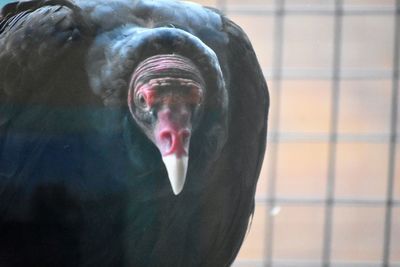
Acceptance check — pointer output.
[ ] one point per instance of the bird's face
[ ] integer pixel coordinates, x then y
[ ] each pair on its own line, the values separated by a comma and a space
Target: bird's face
165, 98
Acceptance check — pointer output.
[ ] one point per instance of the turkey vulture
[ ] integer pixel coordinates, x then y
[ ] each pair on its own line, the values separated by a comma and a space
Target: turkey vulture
132, 133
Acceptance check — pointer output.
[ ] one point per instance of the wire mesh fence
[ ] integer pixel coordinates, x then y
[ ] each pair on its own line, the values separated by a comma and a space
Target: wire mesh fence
330, 187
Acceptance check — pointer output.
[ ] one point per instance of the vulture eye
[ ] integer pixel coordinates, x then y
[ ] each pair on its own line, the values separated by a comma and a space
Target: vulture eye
141, 101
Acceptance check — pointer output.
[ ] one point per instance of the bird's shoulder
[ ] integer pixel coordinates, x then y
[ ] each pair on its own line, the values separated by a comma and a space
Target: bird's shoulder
35, 36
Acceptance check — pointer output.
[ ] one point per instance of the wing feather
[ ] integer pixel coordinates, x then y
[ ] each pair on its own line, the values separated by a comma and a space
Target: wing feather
244, 151
41, 48
35, 37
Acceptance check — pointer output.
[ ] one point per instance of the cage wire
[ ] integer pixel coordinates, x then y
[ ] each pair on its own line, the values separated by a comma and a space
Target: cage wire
280, 10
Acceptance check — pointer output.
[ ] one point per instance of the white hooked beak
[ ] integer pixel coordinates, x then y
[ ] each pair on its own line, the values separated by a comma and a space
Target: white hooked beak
177, 169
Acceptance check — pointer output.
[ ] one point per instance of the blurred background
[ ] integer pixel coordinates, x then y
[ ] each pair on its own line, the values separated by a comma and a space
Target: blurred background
329, 191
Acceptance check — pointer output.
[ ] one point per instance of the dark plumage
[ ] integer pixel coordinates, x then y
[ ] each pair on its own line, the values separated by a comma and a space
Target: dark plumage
84, 132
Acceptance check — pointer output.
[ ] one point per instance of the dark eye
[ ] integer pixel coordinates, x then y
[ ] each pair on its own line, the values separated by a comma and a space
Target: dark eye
141, 101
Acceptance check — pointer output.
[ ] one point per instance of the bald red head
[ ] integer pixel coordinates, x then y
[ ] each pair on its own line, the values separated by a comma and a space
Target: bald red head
165, 94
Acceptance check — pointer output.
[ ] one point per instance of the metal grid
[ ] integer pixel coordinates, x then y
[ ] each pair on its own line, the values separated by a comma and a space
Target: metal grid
280, 11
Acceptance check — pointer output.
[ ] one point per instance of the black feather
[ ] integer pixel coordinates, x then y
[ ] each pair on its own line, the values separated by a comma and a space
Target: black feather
80, 183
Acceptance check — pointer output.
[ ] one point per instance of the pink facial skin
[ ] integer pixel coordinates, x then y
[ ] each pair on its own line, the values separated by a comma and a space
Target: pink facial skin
172, 133
172, 98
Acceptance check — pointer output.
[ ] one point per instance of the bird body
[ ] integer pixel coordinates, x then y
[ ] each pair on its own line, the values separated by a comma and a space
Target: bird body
132, 133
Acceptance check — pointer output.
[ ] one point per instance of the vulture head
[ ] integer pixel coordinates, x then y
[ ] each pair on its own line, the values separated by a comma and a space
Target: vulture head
171, 78
165, 99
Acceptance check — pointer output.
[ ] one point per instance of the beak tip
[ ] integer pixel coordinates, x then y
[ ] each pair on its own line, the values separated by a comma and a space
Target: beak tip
177, 191
176, 169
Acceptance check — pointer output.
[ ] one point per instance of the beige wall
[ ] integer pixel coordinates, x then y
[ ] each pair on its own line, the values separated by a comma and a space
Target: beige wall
301, 110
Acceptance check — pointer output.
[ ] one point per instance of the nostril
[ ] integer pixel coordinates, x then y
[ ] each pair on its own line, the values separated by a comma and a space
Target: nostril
166, 138
173, 141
